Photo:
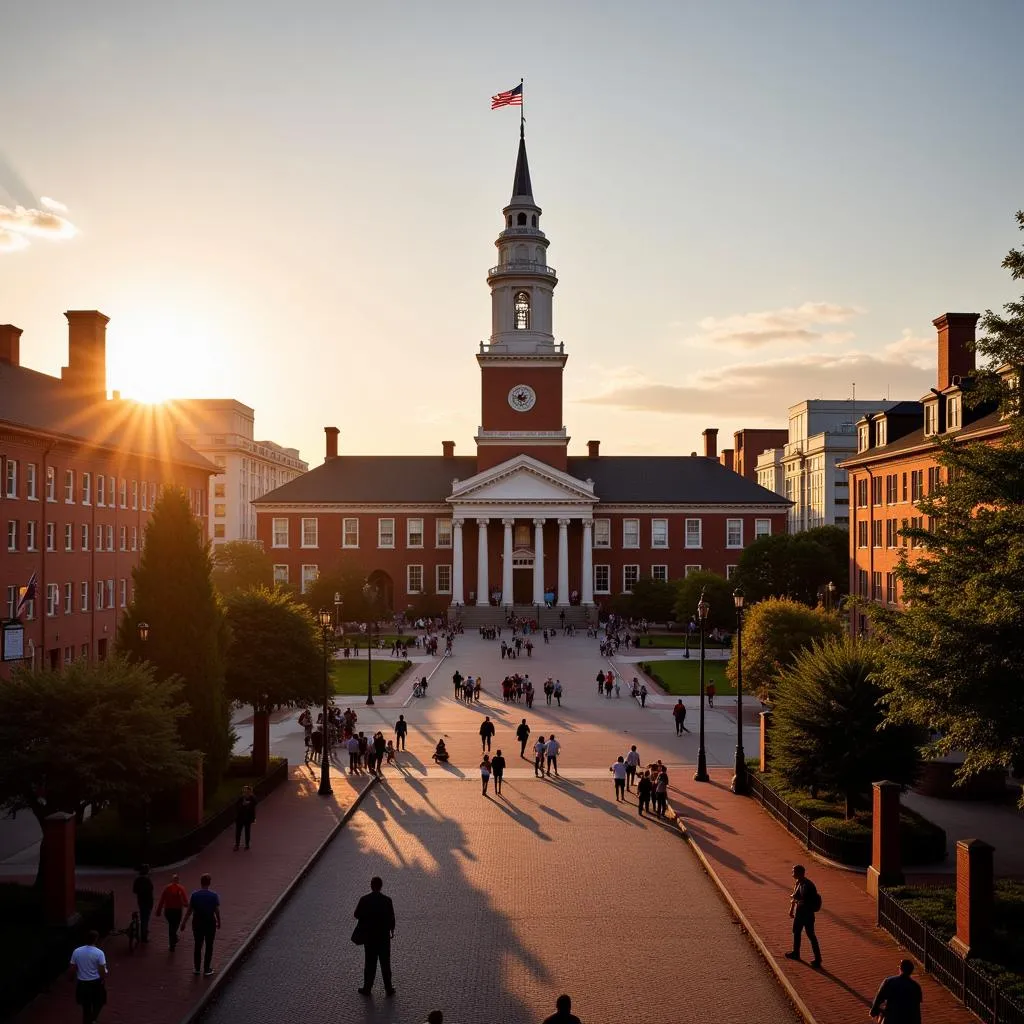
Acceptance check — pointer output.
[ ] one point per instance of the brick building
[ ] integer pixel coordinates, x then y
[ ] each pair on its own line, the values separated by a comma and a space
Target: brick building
520, 521
895, 464
79, 474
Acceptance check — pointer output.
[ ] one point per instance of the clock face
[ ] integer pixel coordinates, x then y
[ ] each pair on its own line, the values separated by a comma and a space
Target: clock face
522, 398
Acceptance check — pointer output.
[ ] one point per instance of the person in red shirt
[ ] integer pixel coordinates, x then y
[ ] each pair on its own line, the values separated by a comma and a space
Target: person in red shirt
173, 901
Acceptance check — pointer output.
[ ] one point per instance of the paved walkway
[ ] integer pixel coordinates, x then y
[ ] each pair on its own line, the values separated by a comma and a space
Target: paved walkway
753, 858
155, 986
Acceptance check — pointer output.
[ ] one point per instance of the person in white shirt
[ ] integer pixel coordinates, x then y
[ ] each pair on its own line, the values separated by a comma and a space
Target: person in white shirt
632, 763
618, 771
538, 757
551, 750
90, 966
353, 755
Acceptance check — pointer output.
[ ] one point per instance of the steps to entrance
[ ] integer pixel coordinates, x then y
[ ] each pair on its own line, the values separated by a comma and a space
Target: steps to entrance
474, 616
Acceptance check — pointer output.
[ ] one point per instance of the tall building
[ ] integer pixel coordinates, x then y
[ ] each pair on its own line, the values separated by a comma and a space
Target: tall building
79, 475
223, 430
520, 521
748, 445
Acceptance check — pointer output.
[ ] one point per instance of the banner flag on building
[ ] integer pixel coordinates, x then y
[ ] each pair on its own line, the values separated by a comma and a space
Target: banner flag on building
28, 595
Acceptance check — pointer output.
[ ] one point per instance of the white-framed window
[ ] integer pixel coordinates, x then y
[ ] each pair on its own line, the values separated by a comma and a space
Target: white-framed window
952, 423
69, 537
12, 601
85, 536
52, 599
87, 488
659, 573
101, 490
135, 538
931, 417
83, 596
734, 533
630, 574
152, 495
443, 535
145, 491
69, 598
762, 528
279, 529
443, 579
98, 545
123, 537
631, 533
602, 579
31, 541
135, 494
602, 533
414, 579
659, 533
111, 492
124, 493
730, 571
110, 536
11, 488
110, 593
385, 533
414, 533
280, 574
12, 536
51, 536
51, 484
31, 481
694, 533
123, 595
99, 595
350, 533
69, 487
310, 532
689, 569
309, 576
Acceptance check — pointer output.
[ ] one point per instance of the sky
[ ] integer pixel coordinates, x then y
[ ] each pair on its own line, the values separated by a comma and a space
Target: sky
295, 205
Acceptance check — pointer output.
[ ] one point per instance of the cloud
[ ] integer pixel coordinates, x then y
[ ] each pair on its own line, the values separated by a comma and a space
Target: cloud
24, 220
52, 204
10, 242
794, 325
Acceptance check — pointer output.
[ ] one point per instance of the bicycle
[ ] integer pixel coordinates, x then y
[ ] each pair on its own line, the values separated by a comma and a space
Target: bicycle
133, 931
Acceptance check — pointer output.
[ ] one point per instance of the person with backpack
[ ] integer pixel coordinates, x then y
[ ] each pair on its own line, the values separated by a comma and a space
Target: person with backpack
679, 714
804, 903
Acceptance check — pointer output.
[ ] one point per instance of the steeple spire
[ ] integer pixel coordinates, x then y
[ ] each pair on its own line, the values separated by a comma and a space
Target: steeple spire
522, 186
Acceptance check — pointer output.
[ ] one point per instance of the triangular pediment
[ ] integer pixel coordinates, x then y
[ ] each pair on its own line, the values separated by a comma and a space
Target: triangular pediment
523, 480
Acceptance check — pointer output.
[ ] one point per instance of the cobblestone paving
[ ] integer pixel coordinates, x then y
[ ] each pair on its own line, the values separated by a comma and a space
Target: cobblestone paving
503, 903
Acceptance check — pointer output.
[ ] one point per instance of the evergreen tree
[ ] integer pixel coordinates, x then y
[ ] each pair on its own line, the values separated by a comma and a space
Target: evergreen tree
187, 636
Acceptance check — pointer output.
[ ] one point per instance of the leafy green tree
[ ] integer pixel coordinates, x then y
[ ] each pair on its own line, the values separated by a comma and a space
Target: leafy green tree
651, 599
348, 584
797, 566
829, 730
94, 732
718, 593
774, 632
241, 565
187, 636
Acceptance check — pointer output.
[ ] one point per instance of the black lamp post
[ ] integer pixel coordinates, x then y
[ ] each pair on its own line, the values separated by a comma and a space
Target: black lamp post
337, 612
739, 778
146, 827
831, 591
702, 762
370, 593
324, 618
686, 639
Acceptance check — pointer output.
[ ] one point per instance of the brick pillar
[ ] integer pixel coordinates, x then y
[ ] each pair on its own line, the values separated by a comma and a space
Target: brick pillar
974, 896
190, 805
766, 724
260, 742
58, 857
885, 838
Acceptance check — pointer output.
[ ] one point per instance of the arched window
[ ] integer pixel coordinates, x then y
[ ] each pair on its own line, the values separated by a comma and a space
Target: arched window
522, 220
522, 311
534, 221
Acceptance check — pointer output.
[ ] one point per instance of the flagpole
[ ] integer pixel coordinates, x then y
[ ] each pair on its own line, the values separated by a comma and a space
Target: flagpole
522, 110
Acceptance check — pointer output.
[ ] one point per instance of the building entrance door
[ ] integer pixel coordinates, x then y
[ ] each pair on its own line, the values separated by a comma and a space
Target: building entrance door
522, 585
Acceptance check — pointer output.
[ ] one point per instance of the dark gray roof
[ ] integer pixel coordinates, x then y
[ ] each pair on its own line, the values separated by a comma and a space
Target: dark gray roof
522, 185
419, 479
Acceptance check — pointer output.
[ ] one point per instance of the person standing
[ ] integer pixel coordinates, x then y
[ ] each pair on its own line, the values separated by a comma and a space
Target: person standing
551, 752
661, 794
618, 771
523, 735
401, 730
486, 732
498, 770
643, 793
457, 683
379, 746
679, 714
353, 754
204, 912
172, 904
803, 905
485, 773
632, 763
89, 964
600, 682
245, 815
142, 887
563, 1012
643, 695
539, 749
898, 1000
376, 928
558, 691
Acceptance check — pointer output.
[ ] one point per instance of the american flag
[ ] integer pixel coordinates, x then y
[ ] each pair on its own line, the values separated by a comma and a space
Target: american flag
29, 595
512, 98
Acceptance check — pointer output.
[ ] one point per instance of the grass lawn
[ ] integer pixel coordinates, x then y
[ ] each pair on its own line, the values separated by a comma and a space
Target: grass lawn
674, 640
682, 678
349, 677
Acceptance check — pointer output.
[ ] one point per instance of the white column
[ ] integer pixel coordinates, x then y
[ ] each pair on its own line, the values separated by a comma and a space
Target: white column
538, 561
587, 589
506, 565
563, 562
457, 587
483, 595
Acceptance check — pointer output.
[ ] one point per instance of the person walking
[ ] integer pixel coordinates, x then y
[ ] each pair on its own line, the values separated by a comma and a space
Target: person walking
679, 714
486, 732
563, 1012
353, 754
498, 770
710, 691
375, 914
643, 695
551, 752
898, 1000
380, 745
632, 763
401, 731
558, 691
485, 773
204, 913
142, 888
618, 771
643, 793
523, 735
172, 904
457, 683
661, 794
803, 905
89, 966
245, 815
600, 682
538, 757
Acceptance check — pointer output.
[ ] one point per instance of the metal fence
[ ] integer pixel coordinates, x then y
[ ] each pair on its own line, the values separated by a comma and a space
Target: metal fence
977, 991
845, 851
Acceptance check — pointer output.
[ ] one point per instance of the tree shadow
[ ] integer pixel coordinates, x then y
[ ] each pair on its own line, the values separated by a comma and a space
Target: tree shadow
519, 816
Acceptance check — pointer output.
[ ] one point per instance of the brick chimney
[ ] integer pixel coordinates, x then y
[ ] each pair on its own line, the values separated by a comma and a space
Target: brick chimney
86, 371
593, 449
710, 436
10, 344
331, 436
726, 458
448, 449
956, 346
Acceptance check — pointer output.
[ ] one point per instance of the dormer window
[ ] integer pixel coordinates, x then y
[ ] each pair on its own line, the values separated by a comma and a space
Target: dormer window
881, 433
863, 438
522, 310
931, 418
953, 412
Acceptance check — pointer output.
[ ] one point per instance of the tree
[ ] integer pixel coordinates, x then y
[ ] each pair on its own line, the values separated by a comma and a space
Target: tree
651, 599
241, 565
774, 632
187, 636
828, 727
348, 583
274, 659
797, 566
94, 732
718, 594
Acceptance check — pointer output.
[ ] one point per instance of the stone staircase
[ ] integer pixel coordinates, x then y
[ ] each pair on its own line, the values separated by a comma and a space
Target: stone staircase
474, 616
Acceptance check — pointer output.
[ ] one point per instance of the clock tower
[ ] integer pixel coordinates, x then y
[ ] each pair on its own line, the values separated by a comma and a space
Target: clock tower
521, 366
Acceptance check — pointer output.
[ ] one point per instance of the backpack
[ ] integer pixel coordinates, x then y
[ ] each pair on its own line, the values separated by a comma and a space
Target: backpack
813, 899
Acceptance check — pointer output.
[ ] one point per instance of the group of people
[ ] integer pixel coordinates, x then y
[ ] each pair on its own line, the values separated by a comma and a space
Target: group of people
466, 687
368, 753
515, 648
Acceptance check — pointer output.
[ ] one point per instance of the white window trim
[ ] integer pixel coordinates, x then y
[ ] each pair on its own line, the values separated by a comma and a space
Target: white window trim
349, 519
727, 525
608, 574
654, 544
381, 520
302, 531
700, 534
438, 589
408, 579
273, 532
607, 526
687, 569
631, 565
654, 575
438, 523
408, 531
757, 523
626, 546
302, 576
285, 574
730, 571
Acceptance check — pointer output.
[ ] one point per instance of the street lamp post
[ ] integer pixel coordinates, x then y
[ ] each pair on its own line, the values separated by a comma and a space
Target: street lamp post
337, 613
739, 778
370, 592
831, 591
143, 628
324, 618
686, 639
702, 762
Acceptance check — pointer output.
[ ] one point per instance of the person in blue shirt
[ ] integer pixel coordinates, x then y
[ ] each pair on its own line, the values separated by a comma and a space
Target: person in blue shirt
204, 912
